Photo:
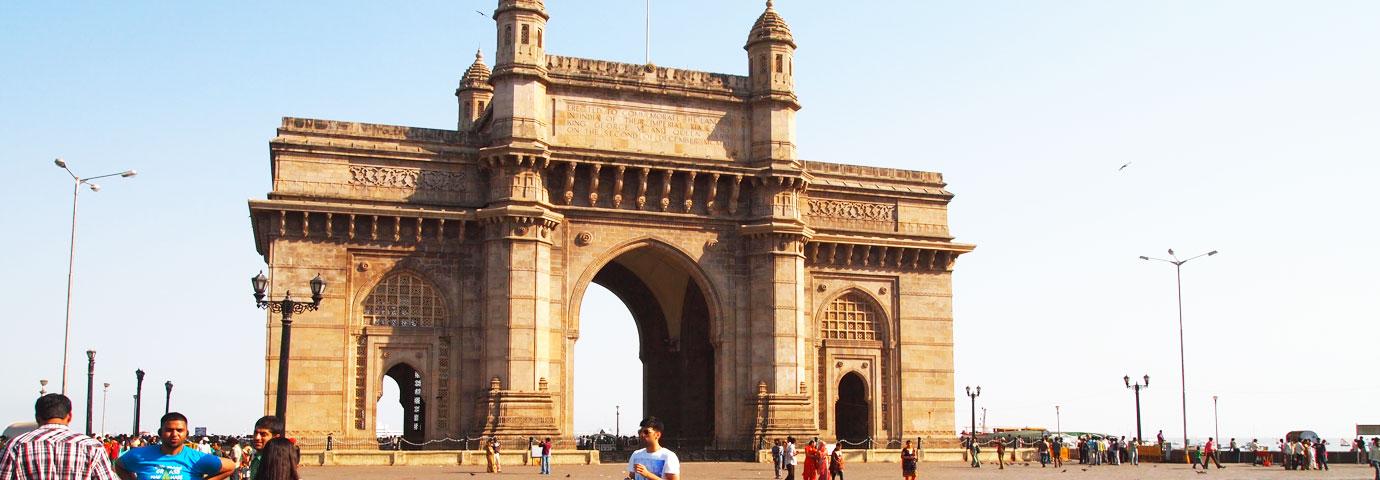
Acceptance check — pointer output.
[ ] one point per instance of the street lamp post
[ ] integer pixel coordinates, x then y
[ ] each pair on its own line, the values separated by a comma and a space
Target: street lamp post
138, 397
617, 420
287, 307
972, 442
1137, 386
1179, 282
90, 386
42, 387
105, 397
1215, 432
72, 250
167, 402
1058, 423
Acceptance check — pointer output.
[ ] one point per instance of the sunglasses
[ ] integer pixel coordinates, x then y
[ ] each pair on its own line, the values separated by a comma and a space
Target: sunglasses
645, 431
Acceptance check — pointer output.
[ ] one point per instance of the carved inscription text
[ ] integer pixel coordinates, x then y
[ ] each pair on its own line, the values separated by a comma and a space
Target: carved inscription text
647, 125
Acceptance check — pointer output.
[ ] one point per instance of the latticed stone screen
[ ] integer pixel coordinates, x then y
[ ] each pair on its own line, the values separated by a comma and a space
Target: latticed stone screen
849, 317
404, 300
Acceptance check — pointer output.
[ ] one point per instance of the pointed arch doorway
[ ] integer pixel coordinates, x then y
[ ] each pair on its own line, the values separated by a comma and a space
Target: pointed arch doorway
413, 403
850, 411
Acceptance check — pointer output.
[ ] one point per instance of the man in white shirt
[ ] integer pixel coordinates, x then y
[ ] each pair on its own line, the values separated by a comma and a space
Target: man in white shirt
653, 462
789, 459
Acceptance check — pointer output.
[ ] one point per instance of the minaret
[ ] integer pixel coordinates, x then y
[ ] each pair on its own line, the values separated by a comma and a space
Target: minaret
519, 76
474, 93
771, 52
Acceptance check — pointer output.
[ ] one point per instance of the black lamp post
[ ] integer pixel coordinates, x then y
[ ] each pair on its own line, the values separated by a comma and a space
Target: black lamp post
287, 307
972, 442
167, 402
1137, 386
90, 384
138, 398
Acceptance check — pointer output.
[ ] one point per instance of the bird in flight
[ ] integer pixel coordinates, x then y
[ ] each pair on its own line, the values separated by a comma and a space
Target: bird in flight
1123, 167
480, 13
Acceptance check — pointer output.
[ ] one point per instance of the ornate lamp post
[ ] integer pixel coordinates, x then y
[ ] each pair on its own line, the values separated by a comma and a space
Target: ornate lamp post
138, 397
167, 402
42, 387
105, 397
287, 307
1179, 281
90, 386
972, 395
1137, 386
72, 250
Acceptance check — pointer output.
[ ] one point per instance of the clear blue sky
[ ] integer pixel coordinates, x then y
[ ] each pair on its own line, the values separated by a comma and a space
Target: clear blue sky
1250, 127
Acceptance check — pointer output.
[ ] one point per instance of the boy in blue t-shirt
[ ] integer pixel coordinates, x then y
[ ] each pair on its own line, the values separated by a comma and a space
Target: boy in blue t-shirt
170, 460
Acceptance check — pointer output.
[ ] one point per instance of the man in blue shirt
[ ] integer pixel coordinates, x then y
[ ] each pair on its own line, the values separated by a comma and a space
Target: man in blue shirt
170, 460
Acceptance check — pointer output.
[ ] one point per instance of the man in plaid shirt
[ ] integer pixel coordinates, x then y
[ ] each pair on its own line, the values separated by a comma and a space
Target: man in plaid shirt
52, 451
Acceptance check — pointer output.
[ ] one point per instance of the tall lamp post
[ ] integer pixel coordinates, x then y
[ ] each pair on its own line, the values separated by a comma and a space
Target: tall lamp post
105, 397
167, 402
287, 307
138, 397
1137, 386
1179, 282
42, 387
72, 251
972, 395
1058, 423
1215, 432
90, 386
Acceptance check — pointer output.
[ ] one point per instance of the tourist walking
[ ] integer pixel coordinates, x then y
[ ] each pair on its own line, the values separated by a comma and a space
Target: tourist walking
171, 456
1056, 451
776, 458
910, 458
1308, 456
1321, 454
653, 462
836, 461
1042, 448
788, 459
1001, 454
52, 451
546, 456
809, 471
1210, 453
1134, 450
822, 461
1359, 446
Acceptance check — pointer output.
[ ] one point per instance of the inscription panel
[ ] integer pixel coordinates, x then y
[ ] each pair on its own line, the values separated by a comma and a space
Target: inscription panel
677, 131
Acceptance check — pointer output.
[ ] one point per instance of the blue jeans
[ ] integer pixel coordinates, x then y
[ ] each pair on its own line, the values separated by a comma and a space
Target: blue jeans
546, 464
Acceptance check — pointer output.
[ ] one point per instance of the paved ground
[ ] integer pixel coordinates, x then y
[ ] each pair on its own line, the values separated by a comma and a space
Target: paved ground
928, 471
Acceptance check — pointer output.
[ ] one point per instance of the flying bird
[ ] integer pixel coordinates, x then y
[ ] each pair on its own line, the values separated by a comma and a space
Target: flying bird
1123, 167
480, 13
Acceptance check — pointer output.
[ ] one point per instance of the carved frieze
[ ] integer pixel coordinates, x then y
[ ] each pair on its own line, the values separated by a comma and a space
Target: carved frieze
852, 210
406, 178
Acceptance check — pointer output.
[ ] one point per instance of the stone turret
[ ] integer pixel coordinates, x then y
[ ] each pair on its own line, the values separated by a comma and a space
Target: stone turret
771, 52
474, 93
519, 76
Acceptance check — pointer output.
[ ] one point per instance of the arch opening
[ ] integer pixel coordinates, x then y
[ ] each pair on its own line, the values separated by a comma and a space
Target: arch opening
850, 411
412, 402
671, 316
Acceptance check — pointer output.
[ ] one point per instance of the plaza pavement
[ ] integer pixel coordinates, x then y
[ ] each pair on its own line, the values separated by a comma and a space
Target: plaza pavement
928, 471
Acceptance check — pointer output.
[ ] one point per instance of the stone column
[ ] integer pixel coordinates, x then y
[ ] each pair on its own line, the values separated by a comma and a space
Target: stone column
775, 247
516, 297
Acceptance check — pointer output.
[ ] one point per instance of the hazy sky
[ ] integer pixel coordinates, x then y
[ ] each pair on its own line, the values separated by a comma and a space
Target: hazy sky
1250, 128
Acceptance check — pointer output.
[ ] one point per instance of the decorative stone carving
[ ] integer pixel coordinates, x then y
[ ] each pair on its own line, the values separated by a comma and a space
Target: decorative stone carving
822, 287
584, 238
851, 210
881, 291
406, 178
363, 266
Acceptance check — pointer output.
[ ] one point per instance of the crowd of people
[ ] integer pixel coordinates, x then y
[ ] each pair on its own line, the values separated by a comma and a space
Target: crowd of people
821, 461
53, 451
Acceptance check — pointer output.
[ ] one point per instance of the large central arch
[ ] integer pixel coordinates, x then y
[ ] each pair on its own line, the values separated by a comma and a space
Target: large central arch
666, 293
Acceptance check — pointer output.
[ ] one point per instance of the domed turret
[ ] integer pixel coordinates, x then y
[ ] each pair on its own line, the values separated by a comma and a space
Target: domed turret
771, 81
770, 27
474, 93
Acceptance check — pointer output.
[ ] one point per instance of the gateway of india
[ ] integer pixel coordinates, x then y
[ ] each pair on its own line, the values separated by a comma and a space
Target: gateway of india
772, 296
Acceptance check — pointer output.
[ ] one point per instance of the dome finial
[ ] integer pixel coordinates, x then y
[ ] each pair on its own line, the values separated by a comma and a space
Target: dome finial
479, 55
768, 3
